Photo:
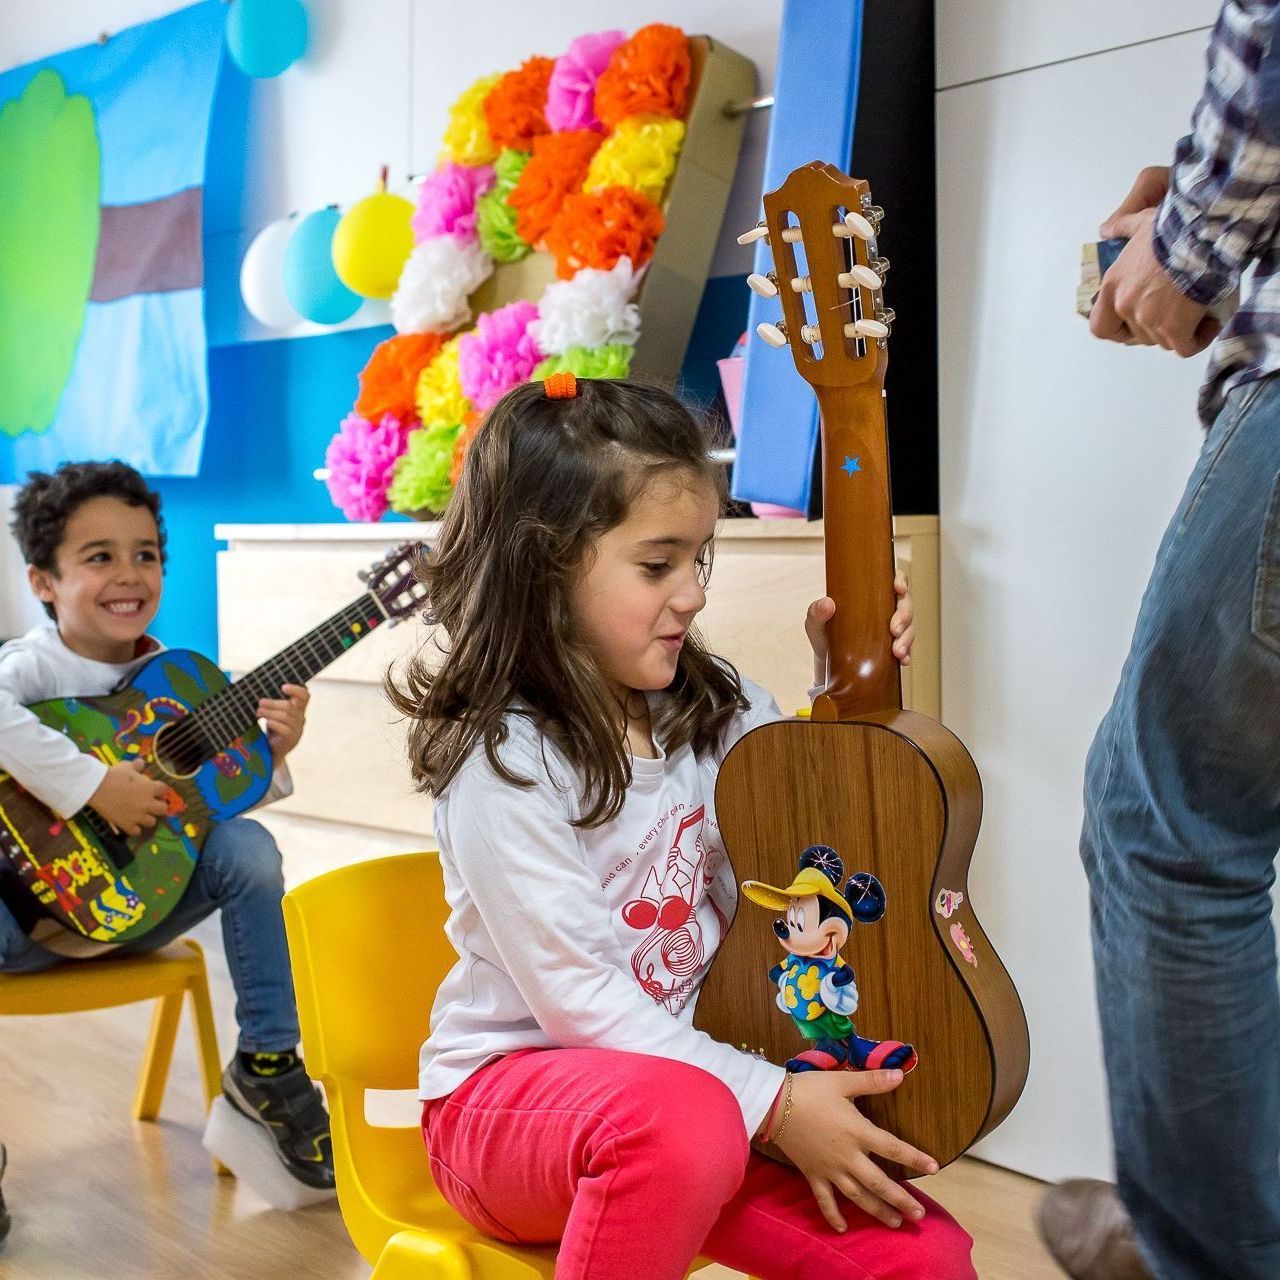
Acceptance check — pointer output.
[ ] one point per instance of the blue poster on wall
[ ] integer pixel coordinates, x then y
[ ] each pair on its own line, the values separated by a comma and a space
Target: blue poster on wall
102, 159
817, 93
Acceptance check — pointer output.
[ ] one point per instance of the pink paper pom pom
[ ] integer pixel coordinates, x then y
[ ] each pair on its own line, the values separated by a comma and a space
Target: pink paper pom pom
447, 201
498, 354
361, 458
572, 90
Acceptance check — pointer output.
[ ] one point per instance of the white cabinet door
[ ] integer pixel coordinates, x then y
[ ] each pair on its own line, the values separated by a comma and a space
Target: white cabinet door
1062, 459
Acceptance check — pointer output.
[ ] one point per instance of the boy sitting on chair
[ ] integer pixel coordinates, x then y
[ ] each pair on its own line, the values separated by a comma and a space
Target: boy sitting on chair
93, 542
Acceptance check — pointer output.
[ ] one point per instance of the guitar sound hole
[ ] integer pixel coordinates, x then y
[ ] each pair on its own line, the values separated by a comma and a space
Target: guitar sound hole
178, 754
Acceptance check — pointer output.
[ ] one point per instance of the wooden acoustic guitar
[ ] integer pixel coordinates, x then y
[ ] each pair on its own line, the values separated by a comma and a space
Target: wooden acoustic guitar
85, 887
892, 792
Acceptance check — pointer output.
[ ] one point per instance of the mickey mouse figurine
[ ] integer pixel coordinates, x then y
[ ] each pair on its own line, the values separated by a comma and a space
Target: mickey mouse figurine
815, 986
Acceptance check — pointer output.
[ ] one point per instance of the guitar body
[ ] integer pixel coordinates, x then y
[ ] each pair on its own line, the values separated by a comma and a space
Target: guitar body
896, 795
99, 887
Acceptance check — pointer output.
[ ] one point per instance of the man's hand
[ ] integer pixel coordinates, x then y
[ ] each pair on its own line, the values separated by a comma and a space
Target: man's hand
128, 799
284, 718
1137, 300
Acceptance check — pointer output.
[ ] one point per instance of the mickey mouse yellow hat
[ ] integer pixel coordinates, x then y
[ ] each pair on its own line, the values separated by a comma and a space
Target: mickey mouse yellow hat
809, 882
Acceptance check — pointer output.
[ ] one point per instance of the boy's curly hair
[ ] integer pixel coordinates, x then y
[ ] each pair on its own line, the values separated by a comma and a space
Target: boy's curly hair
46, 502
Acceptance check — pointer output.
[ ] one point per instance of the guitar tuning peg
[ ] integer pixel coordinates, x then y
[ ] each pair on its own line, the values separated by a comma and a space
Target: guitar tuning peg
774, 334
880, 266
759, 232
866, 329
792, 235
857, 275
364, 575
886, 314
875, 215
811, 333
802, 284
854, 224
762, 286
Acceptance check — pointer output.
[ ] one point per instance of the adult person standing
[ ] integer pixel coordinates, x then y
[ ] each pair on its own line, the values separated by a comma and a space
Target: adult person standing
1182, 790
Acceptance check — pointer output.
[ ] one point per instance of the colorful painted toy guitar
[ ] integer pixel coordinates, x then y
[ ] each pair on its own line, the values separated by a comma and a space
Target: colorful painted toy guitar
97, 887
886, 793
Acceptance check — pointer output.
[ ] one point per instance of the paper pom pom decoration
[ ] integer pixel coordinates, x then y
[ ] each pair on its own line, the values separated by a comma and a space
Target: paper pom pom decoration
361, 459
498, 354
439, 277
310, 282
372, 241
389, 382
262, 276
571, 92
447, 200
266, 36
570, 157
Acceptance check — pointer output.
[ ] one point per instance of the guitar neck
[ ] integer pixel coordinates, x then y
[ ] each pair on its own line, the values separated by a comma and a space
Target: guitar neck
234, 709
862, 673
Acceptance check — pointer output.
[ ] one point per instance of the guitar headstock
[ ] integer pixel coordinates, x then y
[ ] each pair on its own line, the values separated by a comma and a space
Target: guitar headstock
821, 228
394, 582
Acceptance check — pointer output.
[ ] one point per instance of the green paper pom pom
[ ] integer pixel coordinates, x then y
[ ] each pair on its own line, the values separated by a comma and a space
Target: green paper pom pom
495, 218
612, 361
421, 479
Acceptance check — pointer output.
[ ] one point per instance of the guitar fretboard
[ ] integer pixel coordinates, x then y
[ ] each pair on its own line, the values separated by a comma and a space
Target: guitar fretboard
234, 710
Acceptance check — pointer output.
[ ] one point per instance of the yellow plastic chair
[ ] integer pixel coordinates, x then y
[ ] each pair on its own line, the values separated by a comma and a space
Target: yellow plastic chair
165, 975
368, 948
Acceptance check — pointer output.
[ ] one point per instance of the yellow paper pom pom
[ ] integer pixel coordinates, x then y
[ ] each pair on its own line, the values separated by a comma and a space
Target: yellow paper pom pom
640, 154
440, 398
466, 136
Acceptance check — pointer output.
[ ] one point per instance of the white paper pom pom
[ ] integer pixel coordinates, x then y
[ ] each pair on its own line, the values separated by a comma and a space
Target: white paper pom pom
439, 277
591, 310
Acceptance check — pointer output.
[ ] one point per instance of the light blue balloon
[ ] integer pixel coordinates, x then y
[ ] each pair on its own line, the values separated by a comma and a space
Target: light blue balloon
266, 36
310, 282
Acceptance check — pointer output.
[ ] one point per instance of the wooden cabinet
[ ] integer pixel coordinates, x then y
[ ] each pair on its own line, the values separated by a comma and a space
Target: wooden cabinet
276, 581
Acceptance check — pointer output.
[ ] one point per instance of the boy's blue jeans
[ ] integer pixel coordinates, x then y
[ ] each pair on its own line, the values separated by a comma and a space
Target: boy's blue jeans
1181, 831
238, 873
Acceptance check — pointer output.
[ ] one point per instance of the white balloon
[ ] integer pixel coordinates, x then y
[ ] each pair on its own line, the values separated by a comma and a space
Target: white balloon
262, 276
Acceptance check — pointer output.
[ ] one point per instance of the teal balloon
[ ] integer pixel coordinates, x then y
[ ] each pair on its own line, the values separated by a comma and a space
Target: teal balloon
266, 36
310, 282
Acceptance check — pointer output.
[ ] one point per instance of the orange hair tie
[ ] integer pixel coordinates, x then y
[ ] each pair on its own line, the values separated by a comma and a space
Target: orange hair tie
560, 386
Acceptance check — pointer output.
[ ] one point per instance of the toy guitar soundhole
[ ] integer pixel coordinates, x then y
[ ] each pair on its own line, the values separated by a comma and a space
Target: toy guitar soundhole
857, 827
83, 887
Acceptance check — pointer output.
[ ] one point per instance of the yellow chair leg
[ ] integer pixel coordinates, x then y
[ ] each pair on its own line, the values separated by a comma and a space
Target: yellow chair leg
155, 1063
412, 1255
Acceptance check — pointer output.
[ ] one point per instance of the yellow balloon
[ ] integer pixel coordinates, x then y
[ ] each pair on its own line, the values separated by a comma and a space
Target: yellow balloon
371, 242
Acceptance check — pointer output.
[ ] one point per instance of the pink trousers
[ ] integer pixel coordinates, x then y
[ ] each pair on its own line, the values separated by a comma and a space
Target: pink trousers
638, 1165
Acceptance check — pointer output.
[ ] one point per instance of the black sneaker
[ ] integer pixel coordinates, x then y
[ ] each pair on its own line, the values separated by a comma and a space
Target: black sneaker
4, 1216
289, 1107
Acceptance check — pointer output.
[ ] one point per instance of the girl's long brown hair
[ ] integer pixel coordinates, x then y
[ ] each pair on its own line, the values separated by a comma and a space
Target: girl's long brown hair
543, 480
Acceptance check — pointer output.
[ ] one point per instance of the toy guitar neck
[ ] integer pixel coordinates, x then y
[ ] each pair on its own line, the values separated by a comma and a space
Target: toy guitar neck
78, 885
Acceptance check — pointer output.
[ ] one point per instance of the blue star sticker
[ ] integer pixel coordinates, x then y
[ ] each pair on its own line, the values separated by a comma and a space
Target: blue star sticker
851, 464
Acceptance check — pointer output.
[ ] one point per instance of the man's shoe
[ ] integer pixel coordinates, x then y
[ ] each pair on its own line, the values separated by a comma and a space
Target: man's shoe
1088, 1232
4, 1216
289, 1107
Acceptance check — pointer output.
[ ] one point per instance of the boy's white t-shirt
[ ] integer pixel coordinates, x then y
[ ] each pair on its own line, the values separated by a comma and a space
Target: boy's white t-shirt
37, 666
586, 937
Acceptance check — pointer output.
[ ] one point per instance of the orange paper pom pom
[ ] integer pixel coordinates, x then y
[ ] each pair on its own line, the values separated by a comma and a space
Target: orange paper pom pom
556, 170
648, 75
389, 382
596, 228
514, 108
470, 425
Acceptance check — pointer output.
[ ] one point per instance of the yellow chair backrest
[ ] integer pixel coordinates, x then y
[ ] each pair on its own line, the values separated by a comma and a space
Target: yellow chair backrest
369, 951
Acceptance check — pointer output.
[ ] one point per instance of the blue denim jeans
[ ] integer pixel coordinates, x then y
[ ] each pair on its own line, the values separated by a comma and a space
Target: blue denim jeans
1181, 832
238, 873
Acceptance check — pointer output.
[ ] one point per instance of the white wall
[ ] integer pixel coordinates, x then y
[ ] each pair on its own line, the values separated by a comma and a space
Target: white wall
374, 88
1062, 459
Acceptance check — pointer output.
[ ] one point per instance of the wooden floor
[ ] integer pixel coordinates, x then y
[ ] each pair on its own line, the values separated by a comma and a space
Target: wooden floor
94, 1194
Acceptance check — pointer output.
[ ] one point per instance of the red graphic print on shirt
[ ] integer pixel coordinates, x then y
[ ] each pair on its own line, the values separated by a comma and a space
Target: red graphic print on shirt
675, 949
